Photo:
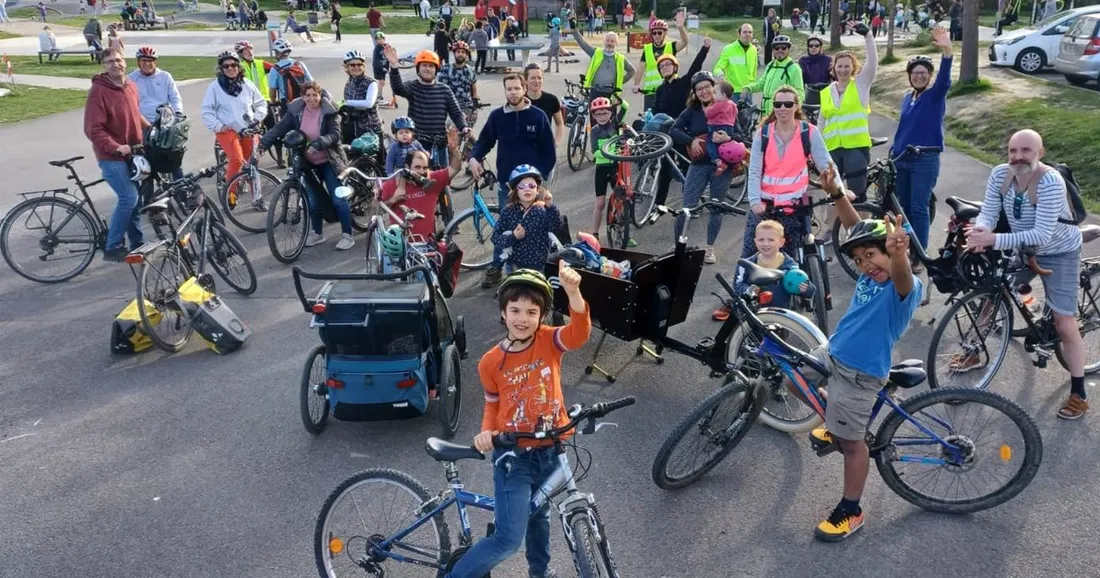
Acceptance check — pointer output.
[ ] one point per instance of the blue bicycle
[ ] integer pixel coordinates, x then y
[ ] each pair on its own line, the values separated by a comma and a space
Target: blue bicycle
413, 535
935, 438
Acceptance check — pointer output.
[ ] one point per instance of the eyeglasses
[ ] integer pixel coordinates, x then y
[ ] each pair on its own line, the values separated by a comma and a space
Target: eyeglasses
783, 104
783, 48
229, 66
526, 186
815, 46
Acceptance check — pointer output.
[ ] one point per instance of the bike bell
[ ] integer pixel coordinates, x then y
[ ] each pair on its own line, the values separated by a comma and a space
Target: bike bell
792, 281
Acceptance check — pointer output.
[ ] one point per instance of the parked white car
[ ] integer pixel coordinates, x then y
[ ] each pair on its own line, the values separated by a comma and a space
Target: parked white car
1079, 58
1035, 47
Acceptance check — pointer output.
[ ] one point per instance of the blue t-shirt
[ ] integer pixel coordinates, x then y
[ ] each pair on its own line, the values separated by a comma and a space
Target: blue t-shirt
876, 318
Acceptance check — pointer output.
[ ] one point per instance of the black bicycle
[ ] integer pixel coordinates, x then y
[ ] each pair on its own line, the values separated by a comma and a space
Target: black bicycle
810, 255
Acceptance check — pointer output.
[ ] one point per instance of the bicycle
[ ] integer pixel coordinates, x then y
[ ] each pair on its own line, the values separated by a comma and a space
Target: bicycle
810, 255
649, 149
176, 257
46, 215
275, 153
376, 263
582, 526
464, 179
936, 421
250, 180
576, 105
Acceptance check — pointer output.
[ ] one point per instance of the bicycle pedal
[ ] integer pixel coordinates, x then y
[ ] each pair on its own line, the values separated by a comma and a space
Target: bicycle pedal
823, 449
705, 343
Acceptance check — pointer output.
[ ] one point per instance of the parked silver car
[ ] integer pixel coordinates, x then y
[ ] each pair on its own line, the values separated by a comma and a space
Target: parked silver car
1079, 51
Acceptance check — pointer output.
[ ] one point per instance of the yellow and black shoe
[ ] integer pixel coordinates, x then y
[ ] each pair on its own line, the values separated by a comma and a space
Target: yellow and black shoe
822, 441
838, 526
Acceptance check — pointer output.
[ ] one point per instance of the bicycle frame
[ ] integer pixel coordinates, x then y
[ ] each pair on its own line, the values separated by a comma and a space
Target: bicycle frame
84, 200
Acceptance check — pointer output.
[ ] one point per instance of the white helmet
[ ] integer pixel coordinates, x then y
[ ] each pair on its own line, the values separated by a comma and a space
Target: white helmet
140, 168
281, 45
353, 55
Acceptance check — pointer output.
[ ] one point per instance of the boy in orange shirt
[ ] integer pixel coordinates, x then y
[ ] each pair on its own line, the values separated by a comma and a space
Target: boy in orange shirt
522, 381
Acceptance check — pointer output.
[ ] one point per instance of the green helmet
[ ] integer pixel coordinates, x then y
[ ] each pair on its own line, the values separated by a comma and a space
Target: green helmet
532, 278
864, 231
393, 242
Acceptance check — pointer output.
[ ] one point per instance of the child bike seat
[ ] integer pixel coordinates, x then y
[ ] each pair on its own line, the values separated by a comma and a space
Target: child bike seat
757, 275
444, 451
909, 373
963, 208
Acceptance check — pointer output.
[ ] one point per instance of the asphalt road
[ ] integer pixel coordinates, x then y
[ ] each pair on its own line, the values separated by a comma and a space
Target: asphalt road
197, 465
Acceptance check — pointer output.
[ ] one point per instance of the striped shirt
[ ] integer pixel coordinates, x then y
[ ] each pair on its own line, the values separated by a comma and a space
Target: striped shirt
1036, 226
429, 105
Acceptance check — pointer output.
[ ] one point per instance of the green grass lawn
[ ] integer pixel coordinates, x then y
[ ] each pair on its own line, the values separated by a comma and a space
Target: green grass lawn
181, 67
394, 25
30, 102
7, 35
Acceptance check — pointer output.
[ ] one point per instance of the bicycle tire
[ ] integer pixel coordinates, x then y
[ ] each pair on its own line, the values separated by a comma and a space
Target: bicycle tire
578, 141
314, 426
449, 392
275, 215
645, 192
395, 478
618, 226
1088, 322
748, 408
91, 243
359, 204
220, 161
816, 274
959, 397
652, 145
164, 303
462, 180
741, 195
223, 244
374, 263
992, 365
585, 547
846, 263
484, 237
223, 199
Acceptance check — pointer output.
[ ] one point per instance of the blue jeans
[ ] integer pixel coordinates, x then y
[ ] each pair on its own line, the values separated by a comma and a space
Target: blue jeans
712, 147
515, 482
917, 177
125, 220
699, 177
502, 201
326, 174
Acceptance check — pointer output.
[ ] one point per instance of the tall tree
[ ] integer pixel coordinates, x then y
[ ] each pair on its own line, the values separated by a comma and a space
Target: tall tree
968, 68
890, 30
835, 25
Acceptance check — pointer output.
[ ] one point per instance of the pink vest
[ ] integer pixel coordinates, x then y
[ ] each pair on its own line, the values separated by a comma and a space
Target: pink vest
785, 179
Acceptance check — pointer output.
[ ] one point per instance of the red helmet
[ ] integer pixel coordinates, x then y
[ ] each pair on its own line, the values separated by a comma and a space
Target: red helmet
146, 52
242, 45
426, 57
658, 25
460, 45
600, 103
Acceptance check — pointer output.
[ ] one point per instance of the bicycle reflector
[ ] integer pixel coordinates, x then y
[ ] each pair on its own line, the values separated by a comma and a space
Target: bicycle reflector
764, 297
134, 259
335, 545
319, 308
1006, 453
406, 383
333, 383
343, 192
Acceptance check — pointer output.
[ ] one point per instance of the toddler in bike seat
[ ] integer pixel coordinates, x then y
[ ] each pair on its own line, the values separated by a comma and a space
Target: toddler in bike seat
404, 141
769, 240
522, 380
523, 231
721, 116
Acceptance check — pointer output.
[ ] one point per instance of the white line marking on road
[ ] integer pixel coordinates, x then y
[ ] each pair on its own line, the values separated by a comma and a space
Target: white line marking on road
20, 436
37, 422
358, 455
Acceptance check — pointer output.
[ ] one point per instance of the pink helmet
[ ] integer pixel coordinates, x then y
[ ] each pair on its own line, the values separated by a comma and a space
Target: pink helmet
731, 152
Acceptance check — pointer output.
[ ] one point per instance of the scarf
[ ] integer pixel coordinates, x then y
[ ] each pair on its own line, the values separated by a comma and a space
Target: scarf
356, 87
232, 87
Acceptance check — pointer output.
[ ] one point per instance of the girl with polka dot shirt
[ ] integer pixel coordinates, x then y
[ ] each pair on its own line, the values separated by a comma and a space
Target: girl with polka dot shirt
523, 231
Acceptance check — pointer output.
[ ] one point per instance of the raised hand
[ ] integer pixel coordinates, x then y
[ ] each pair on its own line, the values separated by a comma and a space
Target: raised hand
829, 182
519, 232
897, 238
679, 18
391, 54
570, 279
452, 138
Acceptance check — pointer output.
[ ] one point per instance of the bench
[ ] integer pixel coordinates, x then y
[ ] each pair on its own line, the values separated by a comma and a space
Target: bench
95, 56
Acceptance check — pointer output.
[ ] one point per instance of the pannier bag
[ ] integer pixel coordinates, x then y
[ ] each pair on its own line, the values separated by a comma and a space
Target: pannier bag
126, 334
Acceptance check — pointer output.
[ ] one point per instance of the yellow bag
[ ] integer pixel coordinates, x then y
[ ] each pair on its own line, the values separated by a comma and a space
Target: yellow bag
127, 335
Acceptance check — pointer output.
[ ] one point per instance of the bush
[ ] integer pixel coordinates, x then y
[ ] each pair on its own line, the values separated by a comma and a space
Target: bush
920, 40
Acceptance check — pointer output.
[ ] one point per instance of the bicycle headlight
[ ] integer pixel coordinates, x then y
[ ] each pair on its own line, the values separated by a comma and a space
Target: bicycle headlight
343, 192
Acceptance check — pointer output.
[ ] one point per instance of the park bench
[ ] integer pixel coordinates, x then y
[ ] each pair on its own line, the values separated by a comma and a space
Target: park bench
86, 52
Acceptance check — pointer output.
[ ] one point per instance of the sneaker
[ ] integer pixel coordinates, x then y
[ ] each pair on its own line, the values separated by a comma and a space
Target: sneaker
1074, 408
491, 278
838, 526
314, 239
722, 313
259, 205
964, 362
550, 573
232, 199
346, 242
821, 438
631, 243
116, 255
709, 258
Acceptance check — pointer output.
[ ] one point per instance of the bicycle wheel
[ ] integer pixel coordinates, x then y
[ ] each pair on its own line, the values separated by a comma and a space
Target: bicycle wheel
249, 215
50, 231
1088, 319
970, 341
462, 180
714, 430
374, 262
449, 390
314, 393
578, 141
782, 409
618, 223
816, 274
840, 234
645, 192
986, 433
585, 546
641, 147
287, 222
162, 272
738, 195
344, 543
475, 238
221, 161
229, 259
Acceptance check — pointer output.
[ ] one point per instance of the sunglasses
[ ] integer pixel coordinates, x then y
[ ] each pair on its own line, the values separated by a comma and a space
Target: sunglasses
1018, 207
229, 66
355, 65
783, 104
526, 186
815, 46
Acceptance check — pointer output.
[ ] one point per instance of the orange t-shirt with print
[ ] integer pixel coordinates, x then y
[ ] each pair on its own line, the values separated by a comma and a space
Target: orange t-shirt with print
523, 388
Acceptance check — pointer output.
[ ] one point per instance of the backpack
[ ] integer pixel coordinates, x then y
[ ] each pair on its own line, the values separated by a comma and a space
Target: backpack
1073, 191
765, 137
294, 76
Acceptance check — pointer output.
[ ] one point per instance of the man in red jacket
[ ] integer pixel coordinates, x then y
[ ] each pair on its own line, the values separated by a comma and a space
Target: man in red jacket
113, 122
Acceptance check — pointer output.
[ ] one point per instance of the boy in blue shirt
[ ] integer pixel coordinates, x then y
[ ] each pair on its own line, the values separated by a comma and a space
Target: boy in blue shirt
858, 355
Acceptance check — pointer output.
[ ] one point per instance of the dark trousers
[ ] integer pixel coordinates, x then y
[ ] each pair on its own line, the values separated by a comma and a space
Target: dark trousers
482, 55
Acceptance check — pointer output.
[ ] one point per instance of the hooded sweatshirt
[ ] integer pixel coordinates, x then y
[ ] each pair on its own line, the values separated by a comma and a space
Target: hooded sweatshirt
155, 90
111, 117
220, 111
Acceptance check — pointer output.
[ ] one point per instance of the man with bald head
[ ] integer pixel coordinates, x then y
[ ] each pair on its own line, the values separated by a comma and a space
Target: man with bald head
1031, 197
609, 70
737, 63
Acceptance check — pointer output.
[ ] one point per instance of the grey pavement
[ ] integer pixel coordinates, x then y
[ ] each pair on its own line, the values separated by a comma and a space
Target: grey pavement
196, 465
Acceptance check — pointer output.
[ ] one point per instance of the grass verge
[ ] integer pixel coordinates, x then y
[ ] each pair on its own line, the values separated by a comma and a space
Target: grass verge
31, 102
181, 67
394, 25
957, 89
7, 35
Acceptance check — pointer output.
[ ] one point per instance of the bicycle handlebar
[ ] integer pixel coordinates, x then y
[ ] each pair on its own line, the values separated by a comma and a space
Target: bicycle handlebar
720, 206
188, 179
577, 413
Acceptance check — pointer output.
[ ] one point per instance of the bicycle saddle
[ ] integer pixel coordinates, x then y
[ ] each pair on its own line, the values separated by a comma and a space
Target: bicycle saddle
155, 207
879, 141
757, 275
444, 451
909, 373
963, 208
64, 162
1089, 233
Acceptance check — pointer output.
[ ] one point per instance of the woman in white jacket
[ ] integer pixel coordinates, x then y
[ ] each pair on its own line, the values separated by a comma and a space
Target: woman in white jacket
232, 104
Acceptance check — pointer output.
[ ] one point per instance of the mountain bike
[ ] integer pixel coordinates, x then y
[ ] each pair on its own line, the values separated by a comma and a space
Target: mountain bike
465, 178
937, 433
576, 109
346, 544
251, 183
60, 228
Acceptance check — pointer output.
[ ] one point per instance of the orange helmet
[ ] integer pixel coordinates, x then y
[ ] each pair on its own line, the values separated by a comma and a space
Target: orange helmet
670, 58
426, 56
658, 25
600, 103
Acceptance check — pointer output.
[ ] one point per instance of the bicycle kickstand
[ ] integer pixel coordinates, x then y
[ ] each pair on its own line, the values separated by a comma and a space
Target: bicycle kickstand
610, 377
646, 349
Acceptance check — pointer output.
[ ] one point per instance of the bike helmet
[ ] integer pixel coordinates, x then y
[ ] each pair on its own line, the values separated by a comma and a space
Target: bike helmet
242, 45
701, 76
781, 39
864, 231
139, 168
426, 57
295, 139
460, 45
146, 52
393, 242
281, 45
556, 22
402, 122
793, 279
521, 172
353, 55
920, 60
380, 37
669, 58
227, 55
531, 278
601, 103
658, 25
366, 144
732, 152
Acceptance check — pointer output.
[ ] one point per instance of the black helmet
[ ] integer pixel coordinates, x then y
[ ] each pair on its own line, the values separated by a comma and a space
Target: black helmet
864, 231
920, 61
701, 76
294, 139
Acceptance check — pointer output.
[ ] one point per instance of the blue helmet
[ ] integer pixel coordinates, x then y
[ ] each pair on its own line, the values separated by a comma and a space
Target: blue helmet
556, 22
402, 122
521, 172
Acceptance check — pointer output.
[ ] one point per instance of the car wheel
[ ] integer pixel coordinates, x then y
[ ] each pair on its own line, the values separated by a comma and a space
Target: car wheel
1077, 80
1031, 61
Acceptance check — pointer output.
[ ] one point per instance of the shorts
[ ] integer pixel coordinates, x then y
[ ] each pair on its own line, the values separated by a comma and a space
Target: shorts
1061, 285
851, 396
605, 176
380, 73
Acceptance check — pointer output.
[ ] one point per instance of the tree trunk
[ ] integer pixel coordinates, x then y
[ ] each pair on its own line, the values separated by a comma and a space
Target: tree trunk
835, 25
968, 70
890, 30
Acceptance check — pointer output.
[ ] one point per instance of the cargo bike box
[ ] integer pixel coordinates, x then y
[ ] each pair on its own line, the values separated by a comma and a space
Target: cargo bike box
388, 345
